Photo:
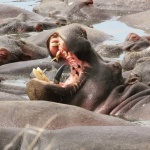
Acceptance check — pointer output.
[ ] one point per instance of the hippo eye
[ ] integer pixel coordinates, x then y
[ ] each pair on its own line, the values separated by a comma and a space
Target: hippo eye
13, 30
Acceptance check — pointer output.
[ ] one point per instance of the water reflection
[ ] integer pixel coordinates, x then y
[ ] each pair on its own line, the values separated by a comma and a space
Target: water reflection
117, 29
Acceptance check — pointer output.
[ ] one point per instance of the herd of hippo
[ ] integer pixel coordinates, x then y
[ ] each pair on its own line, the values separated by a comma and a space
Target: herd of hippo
61, 87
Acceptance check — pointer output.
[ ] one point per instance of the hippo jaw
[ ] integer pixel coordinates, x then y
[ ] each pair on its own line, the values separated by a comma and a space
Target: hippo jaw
62, 91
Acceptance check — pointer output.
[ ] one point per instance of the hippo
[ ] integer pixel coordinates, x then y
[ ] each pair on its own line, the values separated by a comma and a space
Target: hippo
22, 23
140, 72
18, 26
73, 138
95, 36
130, 59
75, 11
14, 50
123, 6
110, 51
134, 42
18, 70
93, 84
11, 11
20, 113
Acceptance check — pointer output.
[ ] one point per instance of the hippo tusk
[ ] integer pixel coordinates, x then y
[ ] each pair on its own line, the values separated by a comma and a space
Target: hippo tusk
38, 73
57, 56
58, 74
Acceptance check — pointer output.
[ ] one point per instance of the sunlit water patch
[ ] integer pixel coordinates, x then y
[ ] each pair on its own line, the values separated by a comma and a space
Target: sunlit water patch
16, 82
25, 4
118, 30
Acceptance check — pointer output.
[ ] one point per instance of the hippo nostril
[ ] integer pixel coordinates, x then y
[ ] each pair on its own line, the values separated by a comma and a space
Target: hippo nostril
77, 73
79, 66
87, 2
39, 27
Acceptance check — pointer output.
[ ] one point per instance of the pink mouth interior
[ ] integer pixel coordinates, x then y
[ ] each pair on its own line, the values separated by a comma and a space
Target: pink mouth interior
76, 65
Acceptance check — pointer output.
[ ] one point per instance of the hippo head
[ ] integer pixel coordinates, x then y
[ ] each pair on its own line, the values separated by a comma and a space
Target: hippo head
91, 78
134, 42
6, 56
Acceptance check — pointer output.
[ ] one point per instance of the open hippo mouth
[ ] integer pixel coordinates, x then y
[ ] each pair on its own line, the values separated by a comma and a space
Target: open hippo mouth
91, 78
58, 50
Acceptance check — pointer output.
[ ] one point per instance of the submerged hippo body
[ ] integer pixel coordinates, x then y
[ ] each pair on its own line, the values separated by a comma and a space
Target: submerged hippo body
22, 69
95, 36
22, 23
130, 59
123, 5
130, 138
10, 11
134, 42
140, 72
93, 83
22, 113
71, 11
12, 50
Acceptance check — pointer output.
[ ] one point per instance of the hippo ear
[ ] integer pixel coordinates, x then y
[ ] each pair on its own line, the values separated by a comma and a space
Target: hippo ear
25, 57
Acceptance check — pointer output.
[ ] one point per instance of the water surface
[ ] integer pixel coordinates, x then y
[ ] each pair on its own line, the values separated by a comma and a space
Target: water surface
25, 4
117, 29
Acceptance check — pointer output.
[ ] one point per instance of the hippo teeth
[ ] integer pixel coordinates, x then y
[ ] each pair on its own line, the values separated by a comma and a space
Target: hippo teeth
55, 44
57, 56
38, 73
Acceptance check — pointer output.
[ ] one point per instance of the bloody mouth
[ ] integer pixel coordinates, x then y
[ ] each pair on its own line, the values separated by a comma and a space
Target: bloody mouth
58, 49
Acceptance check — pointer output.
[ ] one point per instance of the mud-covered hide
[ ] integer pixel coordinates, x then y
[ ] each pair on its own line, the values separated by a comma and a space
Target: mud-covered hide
131, 58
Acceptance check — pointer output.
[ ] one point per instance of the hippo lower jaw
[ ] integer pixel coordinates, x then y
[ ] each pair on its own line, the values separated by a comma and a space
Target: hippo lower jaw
77, 78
